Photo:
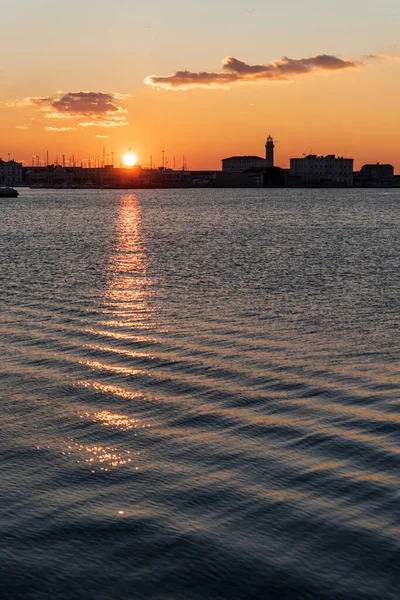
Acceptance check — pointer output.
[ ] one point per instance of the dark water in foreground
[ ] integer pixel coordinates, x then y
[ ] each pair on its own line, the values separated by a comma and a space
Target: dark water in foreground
200, 395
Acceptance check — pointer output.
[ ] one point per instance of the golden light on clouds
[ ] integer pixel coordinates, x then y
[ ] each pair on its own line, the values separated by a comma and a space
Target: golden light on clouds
238, 71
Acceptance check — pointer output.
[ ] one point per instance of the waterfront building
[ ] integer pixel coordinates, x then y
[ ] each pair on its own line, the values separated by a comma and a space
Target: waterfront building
10, 172
239, 164
269, 153
375, 175
327, 170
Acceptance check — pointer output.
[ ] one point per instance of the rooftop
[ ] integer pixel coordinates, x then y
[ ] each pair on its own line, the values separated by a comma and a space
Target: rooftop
242, 157
316, 157
9, 162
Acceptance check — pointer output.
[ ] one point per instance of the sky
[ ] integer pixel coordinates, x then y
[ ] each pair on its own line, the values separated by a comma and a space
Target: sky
200, 80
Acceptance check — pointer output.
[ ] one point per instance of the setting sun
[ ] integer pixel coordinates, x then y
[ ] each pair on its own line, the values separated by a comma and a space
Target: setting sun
129, 159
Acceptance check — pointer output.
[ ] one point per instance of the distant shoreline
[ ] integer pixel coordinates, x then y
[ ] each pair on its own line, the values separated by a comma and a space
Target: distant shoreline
205, 186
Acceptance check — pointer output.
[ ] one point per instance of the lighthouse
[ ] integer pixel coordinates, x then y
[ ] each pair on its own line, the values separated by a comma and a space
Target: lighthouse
269, 152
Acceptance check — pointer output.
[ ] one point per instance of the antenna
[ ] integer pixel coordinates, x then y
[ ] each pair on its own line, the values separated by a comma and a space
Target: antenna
47, 158
163, 159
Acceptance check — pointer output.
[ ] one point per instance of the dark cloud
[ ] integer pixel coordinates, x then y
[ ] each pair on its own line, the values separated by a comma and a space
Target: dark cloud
186, 79
84, 103
235, 65
95, 108
76, 103
235, 71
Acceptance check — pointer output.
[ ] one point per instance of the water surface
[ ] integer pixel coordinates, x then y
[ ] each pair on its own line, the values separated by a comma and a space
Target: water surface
200, 394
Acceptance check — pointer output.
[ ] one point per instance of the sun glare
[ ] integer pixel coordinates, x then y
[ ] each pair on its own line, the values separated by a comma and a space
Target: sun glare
129, 159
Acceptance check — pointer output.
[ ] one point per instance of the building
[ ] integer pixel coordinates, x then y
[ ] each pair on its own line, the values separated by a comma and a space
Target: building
10, 172
323, 170
239, 164
59, 176
375, 176
269, 153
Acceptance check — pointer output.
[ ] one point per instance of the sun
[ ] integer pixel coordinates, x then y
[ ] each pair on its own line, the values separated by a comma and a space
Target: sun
129, 159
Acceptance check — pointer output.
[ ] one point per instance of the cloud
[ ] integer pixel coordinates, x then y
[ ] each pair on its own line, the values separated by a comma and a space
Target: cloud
186, 79
383, 57
84, 103
238, 71
57, 115
76, 103
101, 136
60, 128
34, 100
109, 122
119, 96
21, 127
96, 108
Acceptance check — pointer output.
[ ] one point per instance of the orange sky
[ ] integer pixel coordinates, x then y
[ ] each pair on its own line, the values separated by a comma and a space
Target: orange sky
346, 111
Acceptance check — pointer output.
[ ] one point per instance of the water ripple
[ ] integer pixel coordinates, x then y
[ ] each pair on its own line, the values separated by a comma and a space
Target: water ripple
200, 395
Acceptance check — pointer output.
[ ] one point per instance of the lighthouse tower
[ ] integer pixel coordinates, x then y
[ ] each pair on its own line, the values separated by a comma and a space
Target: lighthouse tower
269, 152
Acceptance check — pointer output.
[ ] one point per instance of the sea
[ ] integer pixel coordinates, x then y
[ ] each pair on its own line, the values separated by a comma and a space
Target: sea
200, 394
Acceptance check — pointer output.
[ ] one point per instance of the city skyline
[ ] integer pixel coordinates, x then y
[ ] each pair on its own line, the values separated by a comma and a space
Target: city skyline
143, 79
129, 159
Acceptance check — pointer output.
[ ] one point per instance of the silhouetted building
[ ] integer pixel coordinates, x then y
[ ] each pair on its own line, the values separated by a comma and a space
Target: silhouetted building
274, 177
239, 164
10, 172
375, 175
255, 176
58, 176
323, 170
269, 152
